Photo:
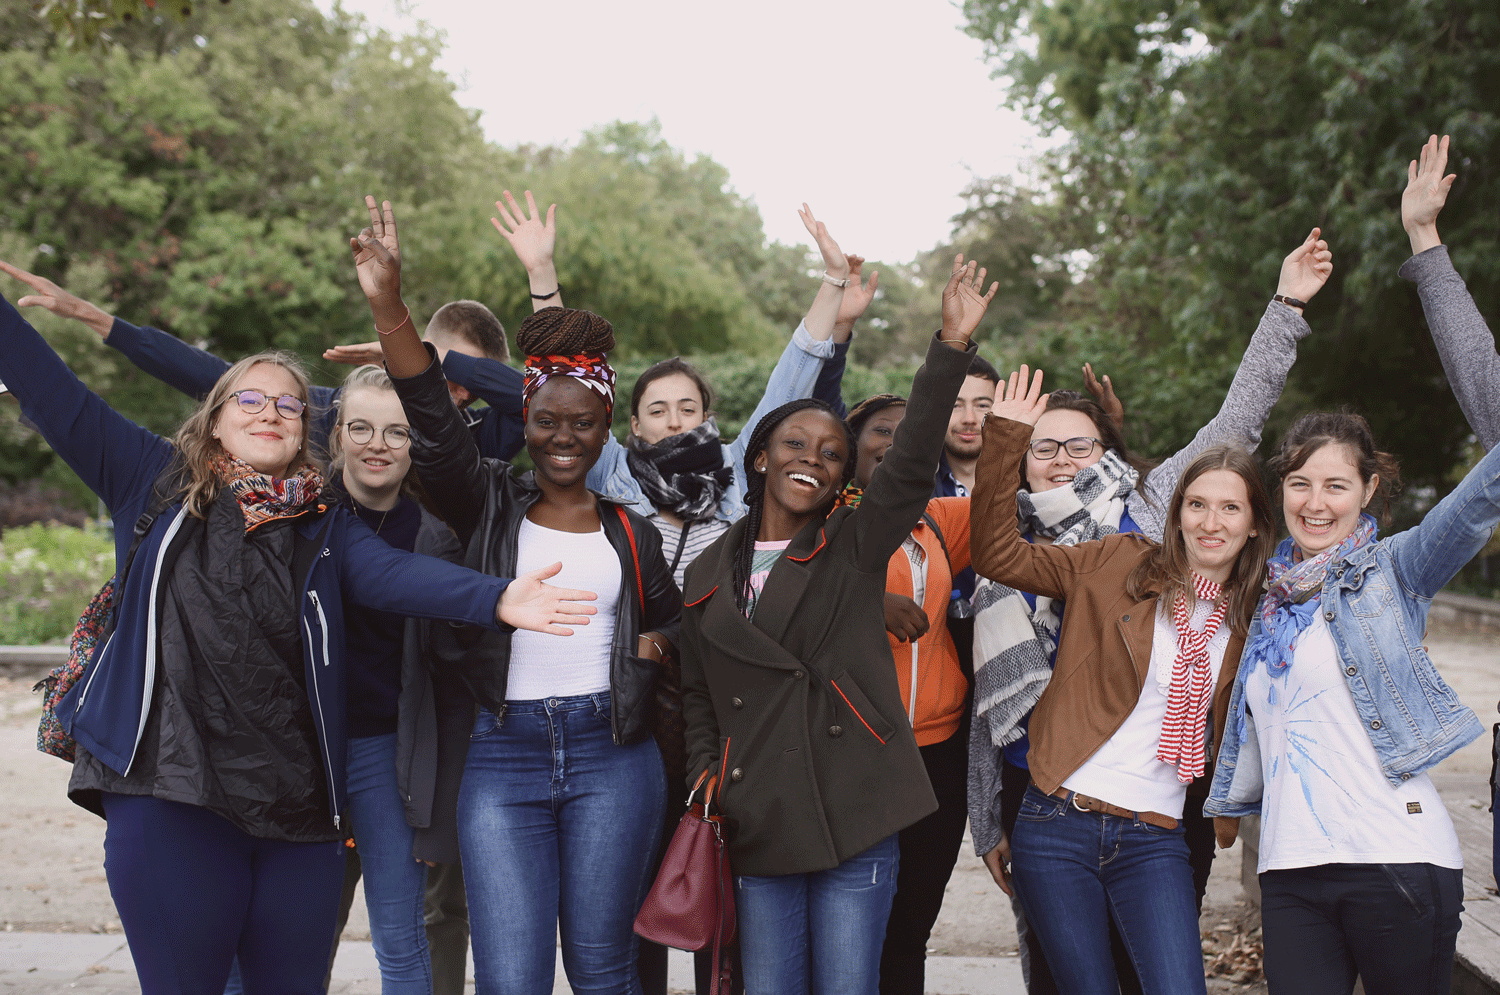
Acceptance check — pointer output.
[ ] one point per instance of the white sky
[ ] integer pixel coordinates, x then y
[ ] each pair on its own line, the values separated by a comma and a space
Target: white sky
876, 114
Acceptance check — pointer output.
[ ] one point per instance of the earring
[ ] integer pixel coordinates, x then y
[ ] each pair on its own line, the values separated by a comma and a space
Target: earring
1254, 534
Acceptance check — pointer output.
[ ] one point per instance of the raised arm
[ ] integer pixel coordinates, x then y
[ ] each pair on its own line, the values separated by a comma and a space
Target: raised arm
1452, 533
534, 242
116, 458
902, 484
857, 297
443, 452
1257, 384
1463, 339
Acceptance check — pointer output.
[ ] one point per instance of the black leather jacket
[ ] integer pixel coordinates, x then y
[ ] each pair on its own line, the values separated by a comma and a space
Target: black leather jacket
484, 502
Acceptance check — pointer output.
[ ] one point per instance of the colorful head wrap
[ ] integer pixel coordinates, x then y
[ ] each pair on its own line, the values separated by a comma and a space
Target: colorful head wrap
566, 342
589, 368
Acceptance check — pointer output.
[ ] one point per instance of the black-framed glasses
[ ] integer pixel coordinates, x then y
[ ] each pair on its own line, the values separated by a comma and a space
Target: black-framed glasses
1078, 447
361, 432
253, 402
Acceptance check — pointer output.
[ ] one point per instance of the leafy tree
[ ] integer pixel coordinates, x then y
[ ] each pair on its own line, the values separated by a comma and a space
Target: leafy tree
1204, 138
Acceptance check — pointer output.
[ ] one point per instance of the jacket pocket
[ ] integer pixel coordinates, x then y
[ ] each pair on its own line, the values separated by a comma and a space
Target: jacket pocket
864, 710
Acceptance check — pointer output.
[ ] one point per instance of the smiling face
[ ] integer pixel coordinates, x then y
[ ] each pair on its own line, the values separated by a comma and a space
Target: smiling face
875, 438
566, 426
374, 465
1323, 497
975, 399
804, 462
670, 405
1216, 521
267, 440
1061, 424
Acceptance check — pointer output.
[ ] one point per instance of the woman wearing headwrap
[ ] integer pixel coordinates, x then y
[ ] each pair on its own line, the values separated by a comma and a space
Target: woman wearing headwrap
563, 793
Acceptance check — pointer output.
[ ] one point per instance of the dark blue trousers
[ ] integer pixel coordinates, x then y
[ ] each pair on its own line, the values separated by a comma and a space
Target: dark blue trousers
193, 891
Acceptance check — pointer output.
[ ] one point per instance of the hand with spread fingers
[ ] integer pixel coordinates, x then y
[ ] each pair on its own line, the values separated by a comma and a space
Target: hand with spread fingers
49, 295
964, 302
1426, 192
1104, 393
1018, 401
531, 603
531, 238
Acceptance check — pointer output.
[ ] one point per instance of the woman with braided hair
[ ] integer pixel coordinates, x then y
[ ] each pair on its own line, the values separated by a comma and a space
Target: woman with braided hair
563, 792
791, 703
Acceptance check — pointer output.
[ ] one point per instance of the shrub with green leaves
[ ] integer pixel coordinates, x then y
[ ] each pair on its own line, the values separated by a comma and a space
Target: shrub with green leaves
48, 573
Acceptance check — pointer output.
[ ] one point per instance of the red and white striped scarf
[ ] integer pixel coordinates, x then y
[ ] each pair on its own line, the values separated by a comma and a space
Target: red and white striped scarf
1192, 688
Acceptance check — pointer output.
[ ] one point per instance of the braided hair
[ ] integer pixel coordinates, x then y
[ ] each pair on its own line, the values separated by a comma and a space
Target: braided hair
755, 488
567, 342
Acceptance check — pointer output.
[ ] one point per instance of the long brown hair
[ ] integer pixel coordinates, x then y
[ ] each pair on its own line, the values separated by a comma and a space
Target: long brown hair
195, 439
1166, 573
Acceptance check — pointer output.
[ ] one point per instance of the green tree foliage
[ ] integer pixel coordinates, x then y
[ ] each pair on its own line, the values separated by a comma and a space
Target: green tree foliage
1201, 139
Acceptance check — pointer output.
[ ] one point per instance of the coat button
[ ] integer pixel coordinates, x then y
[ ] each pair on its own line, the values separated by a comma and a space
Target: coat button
1375, 724
1125, 619
1406, 777
1351, 671
835, 731
737, 702
737, 775
1328, 615
797, 674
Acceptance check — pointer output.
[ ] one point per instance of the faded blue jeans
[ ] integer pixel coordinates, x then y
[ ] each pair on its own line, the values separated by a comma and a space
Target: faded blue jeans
557, 827
818, 933
1076, 870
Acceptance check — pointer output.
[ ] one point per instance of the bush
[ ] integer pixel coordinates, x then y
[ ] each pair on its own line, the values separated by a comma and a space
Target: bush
48, 573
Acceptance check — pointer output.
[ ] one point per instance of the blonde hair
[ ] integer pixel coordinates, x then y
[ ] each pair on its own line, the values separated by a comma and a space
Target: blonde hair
195, 439
366, 377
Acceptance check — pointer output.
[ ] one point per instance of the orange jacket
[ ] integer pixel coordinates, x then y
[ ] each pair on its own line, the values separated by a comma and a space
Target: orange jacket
931, 662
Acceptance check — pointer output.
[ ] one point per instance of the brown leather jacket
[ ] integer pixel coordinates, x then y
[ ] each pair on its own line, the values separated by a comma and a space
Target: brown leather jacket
1105, 644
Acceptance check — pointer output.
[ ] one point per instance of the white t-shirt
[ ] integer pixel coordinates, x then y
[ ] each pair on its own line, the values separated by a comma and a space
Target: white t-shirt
547, 666
1125, 771
1326, 800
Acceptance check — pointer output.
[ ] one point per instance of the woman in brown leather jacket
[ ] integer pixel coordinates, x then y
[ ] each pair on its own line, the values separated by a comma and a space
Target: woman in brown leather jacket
1148, 647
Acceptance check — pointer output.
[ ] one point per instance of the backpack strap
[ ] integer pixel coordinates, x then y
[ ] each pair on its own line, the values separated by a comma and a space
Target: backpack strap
640, 590
933, 525
164, 491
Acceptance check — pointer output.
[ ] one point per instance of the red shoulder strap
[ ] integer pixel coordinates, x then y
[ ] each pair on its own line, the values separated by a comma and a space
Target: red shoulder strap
640, 590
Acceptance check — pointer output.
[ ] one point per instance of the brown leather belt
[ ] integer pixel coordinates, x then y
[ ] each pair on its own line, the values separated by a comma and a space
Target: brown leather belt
1086, 804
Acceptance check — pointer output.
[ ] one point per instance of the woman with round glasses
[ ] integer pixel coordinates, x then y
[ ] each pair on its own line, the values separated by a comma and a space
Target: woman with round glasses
1079, 482
210, 724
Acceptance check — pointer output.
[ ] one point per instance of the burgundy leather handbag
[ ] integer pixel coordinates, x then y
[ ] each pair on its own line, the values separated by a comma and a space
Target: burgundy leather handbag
691, 904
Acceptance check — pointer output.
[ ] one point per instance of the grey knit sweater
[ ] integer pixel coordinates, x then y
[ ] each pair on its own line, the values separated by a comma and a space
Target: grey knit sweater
1256, 388
1463, 339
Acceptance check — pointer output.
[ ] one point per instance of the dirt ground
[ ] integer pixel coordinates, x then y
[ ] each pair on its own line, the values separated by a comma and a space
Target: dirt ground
53, 878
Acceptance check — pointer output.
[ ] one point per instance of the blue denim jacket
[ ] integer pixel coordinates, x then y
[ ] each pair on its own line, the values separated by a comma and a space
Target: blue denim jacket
793, 378
1376, 603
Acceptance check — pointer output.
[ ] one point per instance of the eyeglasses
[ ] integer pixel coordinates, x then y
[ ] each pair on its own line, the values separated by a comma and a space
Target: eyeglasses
360, 433
253, 402
1079, 447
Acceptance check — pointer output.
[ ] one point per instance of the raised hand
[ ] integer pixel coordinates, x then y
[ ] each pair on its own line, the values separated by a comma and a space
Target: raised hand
377, 254
531, 603
834, 260
57, 300
1104, 393
1306, 268
964, 302
358, 354
531, 239
904, 618
1015, 400
858, 295
1426, 193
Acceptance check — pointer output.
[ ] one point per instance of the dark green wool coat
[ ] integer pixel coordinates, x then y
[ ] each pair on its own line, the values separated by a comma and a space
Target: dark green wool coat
799, 711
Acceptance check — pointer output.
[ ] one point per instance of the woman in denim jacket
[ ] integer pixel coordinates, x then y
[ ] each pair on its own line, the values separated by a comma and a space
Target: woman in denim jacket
1338, 713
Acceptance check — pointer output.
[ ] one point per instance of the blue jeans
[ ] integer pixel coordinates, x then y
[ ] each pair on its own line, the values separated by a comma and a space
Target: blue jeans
1075, 870
395, 883
819, 933
557, 827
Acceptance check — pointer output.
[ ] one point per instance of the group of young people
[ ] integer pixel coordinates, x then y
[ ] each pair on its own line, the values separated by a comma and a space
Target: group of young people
875, 625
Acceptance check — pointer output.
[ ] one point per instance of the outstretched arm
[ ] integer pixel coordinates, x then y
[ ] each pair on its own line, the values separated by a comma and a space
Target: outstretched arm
534, 242
857, 297
1463, 339
1257, 384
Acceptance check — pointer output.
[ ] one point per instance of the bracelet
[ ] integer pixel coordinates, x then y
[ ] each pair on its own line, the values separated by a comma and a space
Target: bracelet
397, 325
653, 642
832, 282
542, 297
964, 342
1289, 301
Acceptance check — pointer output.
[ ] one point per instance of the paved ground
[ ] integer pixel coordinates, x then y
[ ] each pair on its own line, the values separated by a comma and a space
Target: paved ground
59, 932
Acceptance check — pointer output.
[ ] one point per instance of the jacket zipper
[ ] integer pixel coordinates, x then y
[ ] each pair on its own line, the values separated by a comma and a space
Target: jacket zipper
911, 708
149, 684
318, 702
